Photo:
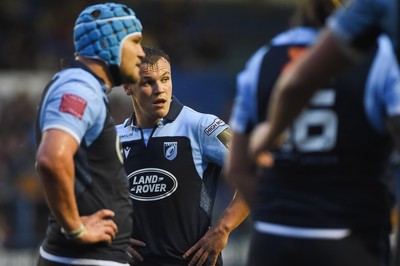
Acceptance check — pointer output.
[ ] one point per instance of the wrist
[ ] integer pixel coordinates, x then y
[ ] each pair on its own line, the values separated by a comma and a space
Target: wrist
223, 228
74, 234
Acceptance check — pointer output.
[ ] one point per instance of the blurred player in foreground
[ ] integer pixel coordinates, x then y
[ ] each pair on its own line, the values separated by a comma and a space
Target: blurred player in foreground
323, 197
79, 159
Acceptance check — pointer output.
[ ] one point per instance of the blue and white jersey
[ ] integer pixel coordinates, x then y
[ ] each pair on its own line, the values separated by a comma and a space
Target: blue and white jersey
382, 97
173, 175
245, 113
338, 143
75, 102
361, 22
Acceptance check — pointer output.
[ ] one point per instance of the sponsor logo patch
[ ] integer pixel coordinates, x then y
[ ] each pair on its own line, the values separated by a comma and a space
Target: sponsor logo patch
213, 126
73, 104
150, 184
170, 150
225, 137
125, 136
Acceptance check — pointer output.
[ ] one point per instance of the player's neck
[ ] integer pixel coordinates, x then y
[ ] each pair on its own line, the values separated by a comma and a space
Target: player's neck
99, 68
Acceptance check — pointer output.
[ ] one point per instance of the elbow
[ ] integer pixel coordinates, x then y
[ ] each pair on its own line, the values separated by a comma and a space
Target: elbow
43, 164
47, 166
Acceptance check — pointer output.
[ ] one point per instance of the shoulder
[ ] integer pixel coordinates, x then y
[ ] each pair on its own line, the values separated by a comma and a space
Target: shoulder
78, 76
357, 25
297, 35
194, 116
385, 47
207, 123
77, 82
195, 119
385, 58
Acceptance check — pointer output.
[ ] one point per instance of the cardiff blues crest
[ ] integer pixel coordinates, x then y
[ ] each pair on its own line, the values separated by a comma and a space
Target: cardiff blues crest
170, 150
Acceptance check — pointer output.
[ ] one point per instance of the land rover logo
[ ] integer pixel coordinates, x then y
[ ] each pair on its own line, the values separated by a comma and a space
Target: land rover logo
150, 184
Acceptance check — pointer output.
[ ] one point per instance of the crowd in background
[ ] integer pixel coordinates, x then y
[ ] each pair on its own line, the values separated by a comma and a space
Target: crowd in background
197, 34
208, 43
21, 202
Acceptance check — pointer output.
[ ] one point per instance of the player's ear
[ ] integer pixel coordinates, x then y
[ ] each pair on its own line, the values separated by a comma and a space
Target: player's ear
127, 88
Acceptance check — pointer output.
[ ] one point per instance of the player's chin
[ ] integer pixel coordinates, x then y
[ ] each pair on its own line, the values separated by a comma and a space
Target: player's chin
131, 78
160, 112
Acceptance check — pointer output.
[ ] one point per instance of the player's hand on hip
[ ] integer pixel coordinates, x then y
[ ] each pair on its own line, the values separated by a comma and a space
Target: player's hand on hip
134, 246
98, 227
208, 248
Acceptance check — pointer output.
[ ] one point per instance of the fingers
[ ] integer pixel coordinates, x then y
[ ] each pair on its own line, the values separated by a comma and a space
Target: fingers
110, 224
199, 258
99, 227
264, 159
93, 222
135, 255
202, 259
110, 228
136, 242
104, 213
206, 250
190, 251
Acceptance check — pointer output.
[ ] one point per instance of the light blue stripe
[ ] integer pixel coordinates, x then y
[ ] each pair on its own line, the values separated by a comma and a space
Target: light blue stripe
79, 261
301, 232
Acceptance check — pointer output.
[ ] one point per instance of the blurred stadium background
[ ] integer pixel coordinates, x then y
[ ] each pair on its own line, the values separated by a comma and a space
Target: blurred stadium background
208, 41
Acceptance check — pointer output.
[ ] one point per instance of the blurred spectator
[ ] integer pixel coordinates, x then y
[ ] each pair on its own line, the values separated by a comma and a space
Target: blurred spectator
19, 192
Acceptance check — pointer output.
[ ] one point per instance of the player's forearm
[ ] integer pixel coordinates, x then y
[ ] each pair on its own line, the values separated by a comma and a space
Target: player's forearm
239, 169
286, 103
62, 203
245, 183
295, 87
234, 215
291, 93
58, 187
55, 166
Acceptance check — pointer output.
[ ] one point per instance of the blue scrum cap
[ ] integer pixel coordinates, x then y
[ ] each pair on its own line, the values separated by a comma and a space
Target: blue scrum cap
100, 29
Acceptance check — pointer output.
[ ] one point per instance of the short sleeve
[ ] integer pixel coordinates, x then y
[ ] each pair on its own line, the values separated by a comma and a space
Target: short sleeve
215, 137
74, 106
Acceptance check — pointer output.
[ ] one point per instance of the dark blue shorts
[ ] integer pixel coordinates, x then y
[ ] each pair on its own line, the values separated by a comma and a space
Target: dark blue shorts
364, 248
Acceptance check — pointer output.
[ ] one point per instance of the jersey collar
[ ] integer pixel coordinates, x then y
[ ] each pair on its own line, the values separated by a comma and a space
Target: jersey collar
72, 63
